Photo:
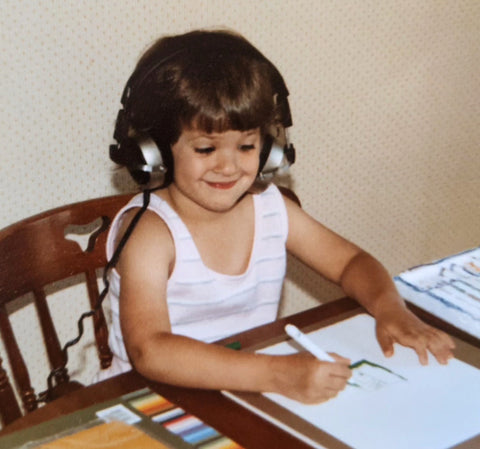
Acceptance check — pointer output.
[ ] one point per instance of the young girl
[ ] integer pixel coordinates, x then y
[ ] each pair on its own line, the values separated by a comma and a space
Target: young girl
206, 111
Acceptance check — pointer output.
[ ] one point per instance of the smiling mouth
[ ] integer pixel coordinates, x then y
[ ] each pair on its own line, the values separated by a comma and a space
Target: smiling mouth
222, 185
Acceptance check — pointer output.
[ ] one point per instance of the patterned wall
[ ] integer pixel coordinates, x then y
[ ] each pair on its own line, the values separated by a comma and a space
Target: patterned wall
385, 97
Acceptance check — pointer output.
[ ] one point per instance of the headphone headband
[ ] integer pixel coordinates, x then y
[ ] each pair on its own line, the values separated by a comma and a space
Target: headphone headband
132, 80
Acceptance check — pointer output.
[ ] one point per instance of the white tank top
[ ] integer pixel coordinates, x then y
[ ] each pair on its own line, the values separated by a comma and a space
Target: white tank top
202, 303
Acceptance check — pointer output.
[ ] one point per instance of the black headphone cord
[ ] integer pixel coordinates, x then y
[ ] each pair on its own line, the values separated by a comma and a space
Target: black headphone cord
59, 371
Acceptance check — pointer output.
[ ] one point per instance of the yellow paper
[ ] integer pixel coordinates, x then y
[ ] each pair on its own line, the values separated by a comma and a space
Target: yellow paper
113, 435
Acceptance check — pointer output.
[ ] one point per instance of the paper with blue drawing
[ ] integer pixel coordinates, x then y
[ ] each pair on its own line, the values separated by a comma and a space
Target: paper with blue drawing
448, 288
390, 403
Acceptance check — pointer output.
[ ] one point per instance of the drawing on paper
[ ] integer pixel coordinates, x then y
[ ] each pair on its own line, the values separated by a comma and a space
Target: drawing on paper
372, 377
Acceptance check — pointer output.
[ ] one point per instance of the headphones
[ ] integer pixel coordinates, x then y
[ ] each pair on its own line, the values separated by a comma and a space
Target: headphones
149, 163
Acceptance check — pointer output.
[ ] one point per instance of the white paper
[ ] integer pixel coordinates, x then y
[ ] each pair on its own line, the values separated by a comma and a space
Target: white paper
400, 404
448, 288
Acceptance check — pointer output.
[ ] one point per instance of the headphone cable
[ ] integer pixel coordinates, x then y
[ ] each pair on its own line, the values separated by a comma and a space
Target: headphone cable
45, 396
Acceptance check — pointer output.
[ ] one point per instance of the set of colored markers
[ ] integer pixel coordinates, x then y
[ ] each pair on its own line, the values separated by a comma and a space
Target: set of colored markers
182, 424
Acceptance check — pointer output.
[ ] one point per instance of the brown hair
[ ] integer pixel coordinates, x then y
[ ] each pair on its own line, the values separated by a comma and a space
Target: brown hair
213, 80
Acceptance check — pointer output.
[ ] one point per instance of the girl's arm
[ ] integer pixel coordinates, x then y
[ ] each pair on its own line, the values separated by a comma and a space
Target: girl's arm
144, 267
363, 278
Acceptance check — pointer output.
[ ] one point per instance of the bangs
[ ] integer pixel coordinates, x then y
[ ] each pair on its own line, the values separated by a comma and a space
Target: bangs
223, 99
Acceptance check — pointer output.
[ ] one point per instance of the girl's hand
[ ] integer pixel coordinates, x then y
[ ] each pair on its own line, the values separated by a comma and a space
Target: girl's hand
402, 326
308, 380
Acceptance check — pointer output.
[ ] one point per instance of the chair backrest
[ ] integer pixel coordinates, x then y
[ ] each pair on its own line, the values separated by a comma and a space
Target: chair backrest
35, 253
290, 194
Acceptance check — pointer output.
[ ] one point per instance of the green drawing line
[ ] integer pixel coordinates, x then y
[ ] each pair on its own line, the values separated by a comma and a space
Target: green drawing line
358, 364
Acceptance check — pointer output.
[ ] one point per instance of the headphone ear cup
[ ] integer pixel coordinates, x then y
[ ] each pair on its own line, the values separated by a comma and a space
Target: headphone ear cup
277, 154
142, 157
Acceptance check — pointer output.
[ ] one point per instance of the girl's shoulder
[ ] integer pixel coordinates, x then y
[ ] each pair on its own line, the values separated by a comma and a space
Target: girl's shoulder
272, 198
151, 223
269, 193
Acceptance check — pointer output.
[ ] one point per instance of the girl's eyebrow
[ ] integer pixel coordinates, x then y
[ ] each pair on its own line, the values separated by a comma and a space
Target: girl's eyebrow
202, 138
194, 135
199, 134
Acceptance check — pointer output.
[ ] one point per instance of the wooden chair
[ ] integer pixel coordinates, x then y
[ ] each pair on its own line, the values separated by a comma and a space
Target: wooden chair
35, 253
290, 194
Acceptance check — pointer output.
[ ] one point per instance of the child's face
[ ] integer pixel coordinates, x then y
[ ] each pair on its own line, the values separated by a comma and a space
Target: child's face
215, 170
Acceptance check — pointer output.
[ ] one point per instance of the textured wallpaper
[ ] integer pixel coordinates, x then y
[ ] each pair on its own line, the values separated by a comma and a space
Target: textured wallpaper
385, 97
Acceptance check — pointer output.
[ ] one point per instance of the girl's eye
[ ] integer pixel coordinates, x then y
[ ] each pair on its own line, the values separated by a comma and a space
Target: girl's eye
205, 150
247, 147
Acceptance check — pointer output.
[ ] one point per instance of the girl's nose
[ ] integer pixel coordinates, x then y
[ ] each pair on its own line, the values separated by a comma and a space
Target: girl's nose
226, 162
